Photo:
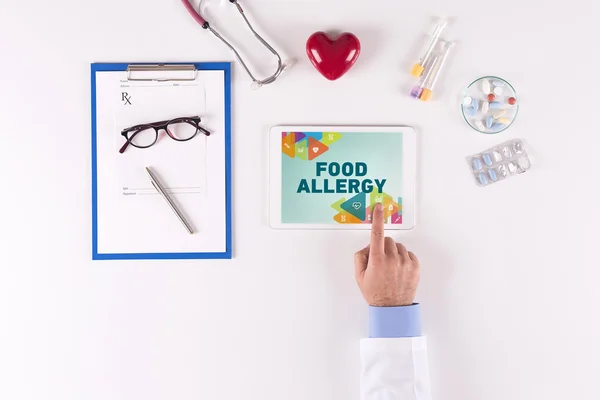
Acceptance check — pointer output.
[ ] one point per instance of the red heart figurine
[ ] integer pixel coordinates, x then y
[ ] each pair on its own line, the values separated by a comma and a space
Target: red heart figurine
333, 58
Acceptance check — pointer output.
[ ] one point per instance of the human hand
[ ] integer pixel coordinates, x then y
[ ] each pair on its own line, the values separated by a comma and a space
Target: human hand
387, 274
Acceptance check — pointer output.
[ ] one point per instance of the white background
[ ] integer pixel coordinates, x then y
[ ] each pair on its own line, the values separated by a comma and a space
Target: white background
510, 272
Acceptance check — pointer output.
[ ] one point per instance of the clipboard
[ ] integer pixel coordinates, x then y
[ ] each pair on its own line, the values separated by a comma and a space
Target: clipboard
135, 223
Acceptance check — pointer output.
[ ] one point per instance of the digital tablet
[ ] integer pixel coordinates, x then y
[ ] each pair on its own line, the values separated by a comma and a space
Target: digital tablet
331, 177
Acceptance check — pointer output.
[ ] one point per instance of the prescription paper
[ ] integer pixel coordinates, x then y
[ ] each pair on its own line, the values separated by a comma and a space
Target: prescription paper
181, 165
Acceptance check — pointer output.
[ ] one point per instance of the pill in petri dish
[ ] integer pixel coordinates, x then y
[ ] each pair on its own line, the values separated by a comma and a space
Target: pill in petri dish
493, 175
503, 120
506, 152
470, 111
475, 104
512, 167
489, 121
477, 165
485, 107
512, 101
467, 101
498, 83
483, 179
499, 114
495, 105
497, 156
524, 163
503, 170
486, 86
518, 146
498, 90
487, 159
479, 125
491, 97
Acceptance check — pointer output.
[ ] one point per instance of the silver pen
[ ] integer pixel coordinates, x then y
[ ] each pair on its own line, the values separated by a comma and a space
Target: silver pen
160, 189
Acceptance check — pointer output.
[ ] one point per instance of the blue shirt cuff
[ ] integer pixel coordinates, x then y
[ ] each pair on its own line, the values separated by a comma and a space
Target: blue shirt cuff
395, 322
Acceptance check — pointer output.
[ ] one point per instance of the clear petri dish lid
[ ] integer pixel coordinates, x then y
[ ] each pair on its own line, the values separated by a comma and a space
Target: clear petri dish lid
489, 104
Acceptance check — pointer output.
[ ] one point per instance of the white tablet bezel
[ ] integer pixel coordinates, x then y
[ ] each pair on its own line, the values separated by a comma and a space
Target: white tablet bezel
409, 169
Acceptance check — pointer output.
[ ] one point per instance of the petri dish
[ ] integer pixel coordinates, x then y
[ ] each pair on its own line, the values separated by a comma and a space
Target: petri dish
489, 105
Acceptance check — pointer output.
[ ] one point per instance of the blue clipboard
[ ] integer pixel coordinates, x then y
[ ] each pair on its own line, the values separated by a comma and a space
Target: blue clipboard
227, 254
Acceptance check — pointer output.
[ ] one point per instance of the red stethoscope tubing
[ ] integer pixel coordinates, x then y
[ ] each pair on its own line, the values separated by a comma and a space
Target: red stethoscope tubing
195, 14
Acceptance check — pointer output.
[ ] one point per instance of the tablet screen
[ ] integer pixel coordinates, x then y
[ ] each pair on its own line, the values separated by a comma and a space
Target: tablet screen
337, 177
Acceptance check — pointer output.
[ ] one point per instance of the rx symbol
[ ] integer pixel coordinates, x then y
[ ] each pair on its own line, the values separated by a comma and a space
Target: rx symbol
126, 98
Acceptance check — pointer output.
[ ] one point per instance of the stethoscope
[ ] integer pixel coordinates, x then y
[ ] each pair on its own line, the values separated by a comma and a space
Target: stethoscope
281, 66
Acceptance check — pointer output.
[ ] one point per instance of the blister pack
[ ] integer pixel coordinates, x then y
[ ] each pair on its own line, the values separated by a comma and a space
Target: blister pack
499, 162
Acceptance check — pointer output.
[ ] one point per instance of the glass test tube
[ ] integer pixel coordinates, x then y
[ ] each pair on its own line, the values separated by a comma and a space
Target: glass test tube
423, 80
428, 88
418, 68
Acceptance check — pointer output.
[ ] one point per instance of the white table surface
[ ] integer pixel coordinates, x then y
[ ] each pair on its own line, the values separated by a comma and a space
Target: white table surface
510, 272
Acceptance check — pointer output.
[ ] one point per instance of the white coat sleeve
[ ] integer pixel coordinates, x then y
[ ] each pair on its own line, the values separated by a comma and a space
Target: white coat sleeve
394, 369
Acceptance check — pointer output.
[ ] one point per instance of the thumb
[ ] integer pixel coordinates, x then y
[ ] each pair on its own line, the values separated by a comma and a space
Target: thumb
361, 260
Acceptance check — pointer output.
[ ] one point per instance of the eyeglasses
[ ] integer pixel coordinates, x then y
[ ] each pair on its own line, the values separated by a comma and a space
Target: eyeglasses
146, 135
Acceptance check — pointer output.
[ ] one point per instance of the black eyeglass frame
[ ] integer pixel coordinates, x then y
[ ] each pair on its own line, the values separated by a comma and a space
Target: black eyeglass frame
130, 133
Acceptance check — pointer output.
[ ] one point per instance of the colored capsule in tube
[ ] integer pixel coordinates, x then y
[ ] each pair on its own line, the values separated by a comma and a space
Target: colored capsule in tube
419, 68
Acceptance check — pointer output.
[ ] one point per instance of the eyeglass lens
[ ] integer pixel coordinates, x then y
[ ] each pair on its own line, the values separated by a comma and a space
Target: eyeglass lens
181, 131
144, 137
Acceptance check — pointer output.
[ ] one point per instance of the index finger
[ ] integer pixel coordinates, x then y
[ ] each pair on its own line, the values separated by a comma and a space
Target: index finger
378, 230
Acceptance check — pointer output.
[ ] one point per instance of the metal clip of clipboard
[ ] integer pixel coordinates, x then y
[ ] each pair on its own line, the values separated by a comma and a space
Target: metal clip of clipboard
161, 68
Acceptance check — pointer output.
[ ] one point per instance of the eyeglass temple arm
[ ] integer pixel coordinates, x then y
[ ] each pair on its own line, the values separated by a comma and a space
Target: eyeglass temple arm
126, 145
201, 129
